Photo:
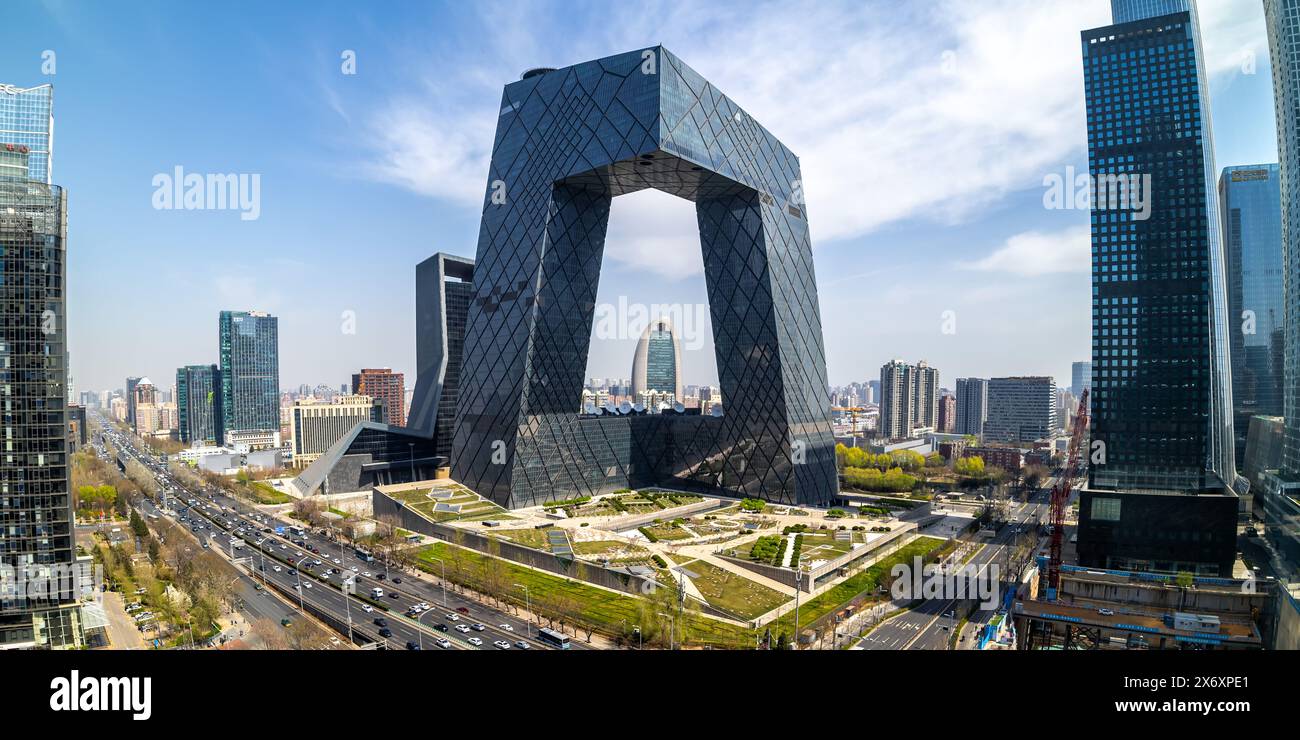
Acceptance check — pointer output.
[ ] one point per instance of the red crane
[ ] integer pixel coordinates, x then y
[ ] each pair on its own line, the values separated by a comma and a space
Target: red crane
1061, 494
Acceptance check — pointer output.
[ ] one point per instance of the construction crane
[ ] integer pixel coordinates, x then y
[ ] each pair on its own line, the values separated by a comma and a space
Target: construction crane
1061, 494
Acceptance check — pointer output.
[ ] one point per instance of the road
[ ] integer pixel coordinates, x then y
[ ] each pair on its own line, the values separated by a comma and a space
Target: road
930, 625
213, 518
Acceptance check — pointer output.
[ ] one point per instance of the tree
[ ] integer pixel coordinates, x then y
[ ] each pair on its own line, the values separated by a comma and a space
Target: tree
969, 467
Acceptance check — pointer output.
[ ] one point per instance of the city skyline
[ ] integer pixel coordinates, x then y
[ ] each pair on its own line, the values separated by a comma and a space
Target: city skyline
963, 238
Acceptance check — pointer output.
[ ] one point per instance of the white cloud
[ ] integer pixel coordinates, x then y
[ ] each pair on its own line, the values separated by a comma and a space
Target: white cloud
1036, 253
898, 110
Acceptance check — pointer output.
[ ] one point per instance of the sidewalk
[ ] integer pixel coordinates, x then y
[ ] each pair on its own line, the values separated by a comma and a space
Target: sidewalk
122, 634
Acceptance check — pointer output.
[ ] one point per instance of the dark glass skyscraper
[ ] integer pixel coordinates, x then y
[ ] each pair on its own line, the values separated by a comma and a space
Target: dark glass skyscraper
1161, 400
198, 404
1250, 200
568, 141
1162, 479
37, 586
250, 371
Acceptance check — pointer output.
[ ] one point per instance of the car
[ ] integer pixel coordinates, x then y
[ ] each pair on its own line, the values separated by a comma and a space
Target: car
443, 643
306, 584
501, 644
441, 627
385, 632
366, 574
452, 617
367, 608
394, 595
475, 642
275, 568
412, 645
506, 627
353, 569
381, 622
379, 577
397, 580
478, 626
325, 575
521, 645
338, 562
1106, 612
462, 610
317, 561
463, 628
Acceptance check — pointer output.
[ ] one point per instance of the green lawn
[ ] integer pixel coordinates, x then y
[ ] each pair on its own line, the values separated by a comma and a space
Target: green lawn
606, 611
266, 494
733, 593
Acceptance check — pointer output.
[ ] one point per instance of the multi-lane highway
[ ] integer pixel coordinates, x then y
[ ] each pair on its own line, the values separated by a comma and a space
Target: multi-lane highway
309, 567
930, 625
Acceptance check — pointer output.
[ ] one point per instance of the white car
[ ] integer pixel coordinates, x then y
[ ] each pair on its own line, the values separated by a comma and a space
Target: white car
276, 568
307, 584
444, 643
366, 574
452, 617
317, 561
502, 644
367, 608
475, 642
463, 629
353, 569
338, 562
506, 627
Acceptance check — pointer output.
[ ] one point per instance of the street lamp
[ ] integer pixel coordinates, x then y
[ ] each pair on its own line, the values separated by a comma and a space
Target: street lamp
528, 604
672, 630
444, 579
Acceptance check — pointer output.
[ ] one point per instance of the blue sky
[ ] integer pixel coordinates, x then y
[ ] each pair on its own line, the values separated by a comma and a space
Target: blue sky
925, 130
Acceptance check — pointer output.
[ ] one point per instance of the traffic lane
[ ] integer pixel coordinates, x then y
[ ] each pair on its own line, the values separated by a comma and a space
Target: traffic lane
217, 517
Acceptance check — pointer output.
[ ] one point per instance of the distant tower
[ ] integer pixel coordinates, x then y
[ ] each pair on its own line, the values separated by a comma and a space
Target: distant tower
657, 365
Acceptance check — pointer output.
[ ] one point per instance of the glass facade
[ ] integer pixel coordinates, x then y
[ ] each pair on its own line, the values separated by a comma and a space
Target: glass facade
36, 524
567, 142
661, 363
250, 371
27, 119
1250, 200
1161, 399
198, 404
1280, 499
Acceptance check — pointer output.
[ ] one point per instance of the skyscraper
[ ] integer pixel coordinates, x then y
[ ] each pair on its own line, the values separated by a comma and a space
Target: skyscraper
38, 596
27, 120
249, 349
657, 363
1161, 400
317, 425
1020, 409
198, 404
144, 394
568, 142
972, 405
1250, 199
1161, 383
444, 287
385, 386
130, 400
1280, 499
1080, 377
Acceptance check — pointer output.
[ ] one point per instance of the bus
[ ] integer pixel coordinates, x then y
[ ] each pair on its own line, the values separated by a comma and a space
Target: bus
363, 555
297, 532
552, 638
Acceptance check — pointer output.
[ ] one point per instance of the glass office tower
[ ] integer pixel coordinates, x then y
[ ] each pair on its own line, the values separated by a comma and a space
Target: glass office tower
1161, 398
1250, 201
250, 371
37, 587
1162, 495
198, 404
27, 119
1280, 499
657, 362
